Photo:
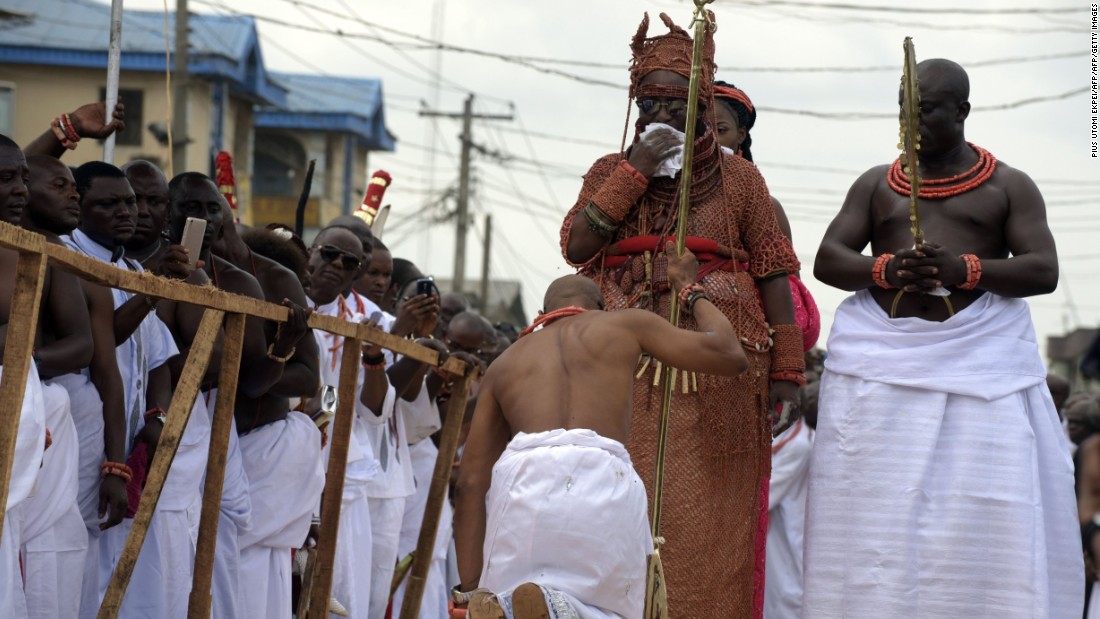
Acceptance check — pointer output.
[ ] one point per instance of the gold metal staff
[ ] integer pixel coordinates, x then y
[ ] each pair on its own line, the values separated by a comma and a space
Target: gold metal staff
910, 136
656, 598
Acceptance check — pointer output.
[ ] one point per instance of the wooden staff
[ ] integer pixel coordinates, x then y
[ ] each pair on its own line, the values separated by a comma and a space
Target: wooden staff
656, 603
437, 494
910, 136
198, 606
178, 414
339, 438
22, 326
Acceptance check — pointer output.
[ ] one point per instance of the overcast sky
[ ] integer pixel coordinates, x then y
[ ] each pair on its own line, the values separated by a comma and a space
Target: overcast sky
808, 161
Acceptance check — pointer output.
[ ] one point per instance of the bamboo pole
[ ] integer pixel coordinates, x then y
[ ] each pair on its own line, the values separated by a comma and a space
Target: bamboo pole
656, 604
178, 414
198, 606
339, 439
21, 328
437, 494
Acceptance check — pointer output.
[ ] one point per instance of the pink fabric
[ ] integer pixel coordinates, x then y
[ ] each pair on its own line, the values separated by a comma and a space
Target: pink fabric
139, 465
806, 314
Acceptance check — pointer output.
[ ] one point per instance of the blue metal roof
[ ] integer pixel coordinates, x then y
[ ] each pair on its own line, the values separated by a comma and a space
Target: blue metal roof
329, 103
75, 33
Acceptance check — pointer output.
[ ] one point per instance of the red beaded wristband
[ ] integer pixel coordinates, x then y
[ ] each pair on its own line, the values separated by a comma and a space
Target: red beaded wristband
973, 272
117, 469
685, 295
789, 375
878, 272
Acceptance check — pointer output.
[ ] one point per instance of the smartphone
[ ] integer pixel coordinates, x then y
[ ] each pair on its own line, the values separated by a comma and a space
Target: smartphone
425, 286
193, 232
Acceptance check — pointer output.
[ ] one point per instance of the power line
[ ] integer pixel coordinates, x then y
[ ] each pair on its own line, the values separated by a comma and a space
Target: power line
822, 69
920, 10
909, 24
874, 115
884, 68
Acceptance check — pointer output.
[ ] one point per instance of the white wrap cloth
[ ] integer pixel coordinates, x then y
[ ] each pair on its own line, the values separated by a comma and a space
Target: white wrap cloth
940, 482
567, 511
787, 522
282, 461
30, 443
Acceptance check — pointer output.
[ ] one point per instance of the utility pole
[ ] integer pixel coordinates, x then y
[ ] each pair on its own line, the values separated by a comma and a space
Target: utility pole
487, 244
180, 76
462, 215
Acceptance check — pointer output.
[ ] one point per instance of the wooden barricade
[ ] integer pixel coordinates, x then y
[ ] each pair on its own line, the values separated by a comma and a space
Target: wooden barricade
231, 311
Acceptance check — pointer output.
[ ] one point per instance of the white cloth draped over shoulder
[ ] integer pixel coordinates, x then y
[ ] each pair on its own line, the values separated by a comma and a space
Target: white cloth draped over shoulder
940, 483
567, 511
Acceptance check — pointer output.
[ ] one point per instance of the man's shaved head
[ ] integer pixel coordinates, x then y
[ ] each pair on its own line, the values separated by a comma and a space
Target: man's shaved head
944, 76
572, 290
141, 166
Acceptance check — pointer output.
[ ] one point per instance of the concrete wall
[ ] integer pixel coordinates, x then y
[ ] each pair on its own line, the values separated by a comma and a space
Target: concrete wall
43, 92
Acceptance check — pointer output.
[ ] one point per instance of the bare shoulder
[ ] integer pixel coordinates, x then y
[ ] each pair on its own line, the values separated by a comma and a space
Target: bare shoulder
873, 178
233, 279
1012, 178
279, 279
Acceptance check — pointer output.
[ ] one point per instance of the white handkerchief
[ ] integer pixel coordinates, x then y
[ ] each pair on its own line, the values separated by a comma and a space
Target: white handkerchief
672, 165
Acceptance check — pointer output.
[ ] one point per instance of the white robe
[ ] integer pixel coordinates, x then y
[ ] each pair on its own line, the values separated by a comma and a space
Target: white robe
282, 461
786, 522
153, 590
940, 482
567, 511
30, 441
86, 409
434, 603
234, 520
351, 570
388, 490
55, 540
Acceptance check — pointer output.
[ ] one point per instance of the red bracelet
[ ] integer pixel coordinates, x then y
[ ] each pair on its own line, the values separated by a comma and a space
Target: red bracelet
59, 133
69, 129
973, 272
117, 469
374, 367
685, 294
789, 375
49, 438
878, 272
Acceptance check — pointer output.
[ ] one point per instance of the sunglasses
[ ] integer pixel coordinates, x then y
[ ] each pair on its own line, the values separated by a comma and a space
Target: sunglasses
675, 107
348, 260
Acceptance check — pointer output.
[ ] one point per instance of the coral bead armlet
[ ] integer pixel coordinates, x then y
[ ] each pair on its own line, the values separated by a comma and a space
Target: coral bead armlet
878, 272
973, 272
788, 357
620, 191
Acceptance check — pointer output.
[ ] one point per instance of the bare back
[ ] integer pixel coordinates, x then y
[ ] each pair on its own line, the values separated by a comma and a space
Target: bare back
578, 372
